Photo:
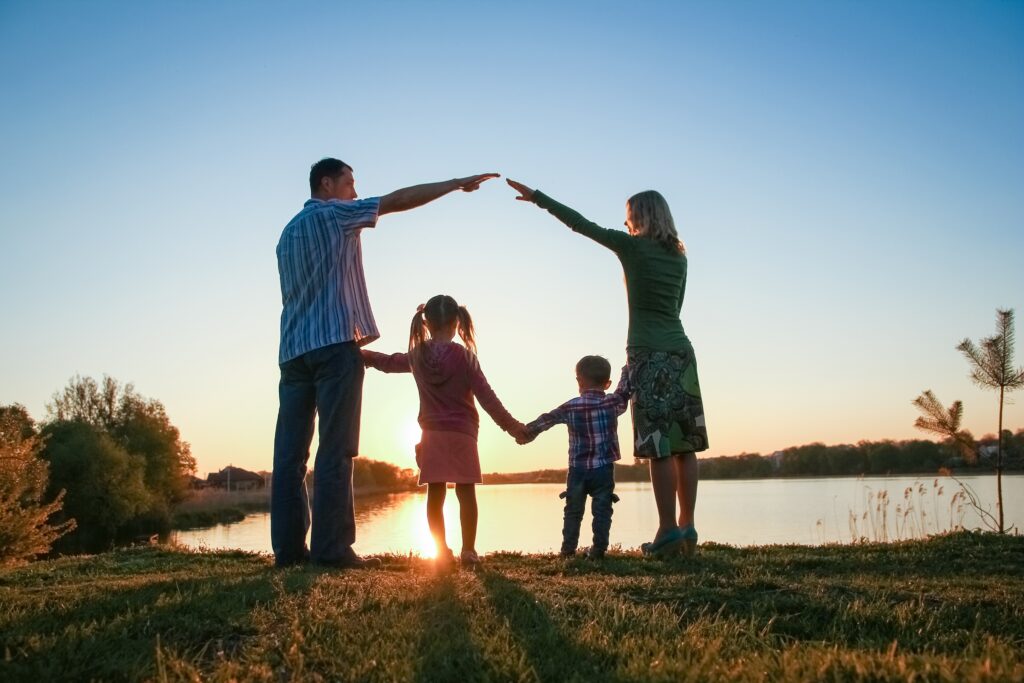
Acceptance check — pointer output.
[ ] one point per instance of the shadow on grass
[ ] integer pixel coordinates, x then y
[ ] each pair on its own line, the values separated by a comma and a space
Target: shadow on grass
114, 636
553, 656
445, 651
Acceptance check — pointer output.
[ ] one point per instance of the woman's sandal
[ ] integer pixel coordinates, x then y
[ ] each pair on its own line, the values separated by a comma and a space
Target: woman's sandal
669, 544
689, 546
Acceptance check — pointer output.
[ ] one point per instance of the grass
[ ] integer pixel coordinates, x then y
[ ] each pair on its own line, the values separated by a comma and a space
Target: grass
946, 609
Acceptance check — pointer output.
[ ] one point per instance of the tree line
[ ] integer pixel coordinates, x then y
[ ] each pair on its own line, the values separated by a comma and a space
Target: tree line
820, 460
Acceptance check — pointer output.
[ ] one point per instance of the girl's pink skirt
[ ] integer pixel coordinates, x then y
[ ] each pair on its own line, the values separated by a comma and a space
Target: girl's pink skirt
447, 457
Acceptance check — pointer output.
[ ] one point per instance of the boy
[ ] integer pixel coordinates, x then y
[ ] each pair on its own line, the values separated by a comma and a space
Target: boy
592, 420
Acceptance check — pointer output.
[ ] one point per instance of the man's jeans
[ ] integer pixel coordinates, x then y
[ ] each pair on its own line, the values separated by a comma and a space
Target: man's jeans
599, 484
327, 381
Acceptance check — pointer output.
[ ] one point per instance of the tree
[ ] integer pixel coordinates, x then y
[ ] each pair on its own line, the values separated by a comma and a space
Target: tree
992, 367
25, 529
137, 424
945, 422
104, 483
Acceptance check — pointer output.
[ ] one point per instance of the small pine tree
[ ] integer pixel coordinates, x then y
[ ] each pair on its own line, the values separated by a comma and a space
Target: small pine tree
25, 530
992, 368
943, 421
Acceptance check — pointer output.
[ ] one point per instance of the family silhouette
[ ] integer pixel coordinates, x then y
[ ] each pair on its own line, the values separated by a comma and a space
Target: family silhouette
326, 319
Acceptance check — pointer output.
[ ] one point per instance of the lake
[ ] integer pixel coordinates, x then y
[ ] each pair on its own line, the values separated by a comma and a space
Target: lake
528, 517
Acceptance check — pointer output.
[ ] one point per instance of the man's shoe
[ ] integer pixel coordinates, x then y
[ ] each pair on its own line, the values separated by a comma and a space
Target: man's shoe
352, 562
294, 562
595, 554
567, 554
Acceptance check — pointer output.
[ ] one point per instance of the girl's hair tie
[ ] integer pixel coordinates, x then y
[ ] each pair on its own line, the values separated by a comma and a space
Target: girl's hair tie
419, 309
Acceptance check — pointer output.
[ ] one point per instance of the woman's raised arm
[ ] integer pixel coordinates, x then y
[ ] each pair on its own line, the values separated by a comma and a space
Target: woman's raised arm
616, 240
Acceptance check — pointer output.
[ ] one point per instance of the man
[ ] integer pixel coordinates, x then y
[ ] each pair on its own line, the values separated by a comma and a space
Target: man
325, 319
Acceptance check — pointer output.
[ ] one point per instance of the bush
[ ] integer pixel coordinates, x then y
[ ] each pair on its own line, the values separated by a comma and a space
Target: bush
138, 441
25, 530
106, 492
138, 425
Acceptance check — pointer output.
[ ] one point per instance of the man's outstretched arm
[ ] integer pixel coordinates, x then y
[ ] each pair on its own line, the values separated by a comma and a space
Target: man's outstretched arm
418, 195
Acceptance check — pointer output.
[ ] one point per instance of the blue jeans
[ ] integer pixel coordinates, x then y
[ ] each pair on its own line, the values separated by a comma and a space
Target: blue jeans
599, 484
327, 382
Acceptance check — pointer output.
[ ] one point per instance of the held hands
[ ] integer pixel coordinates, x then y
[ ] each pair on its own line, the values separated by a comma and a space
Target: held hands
471, 183
521, 434
525, 193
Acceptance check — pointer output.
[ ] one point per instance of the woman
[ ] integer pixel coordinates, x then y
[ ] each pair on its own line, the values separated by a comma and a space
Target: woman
668, 416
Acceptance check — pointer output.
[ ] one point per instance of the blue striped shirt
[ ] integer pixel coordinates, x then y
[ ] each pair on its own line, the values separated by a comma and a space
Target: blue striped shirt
323, 289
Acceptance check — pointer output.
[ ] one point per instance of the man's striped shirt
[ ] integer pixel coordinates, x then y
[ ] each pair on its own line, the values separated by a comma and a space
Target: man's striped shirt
323, 290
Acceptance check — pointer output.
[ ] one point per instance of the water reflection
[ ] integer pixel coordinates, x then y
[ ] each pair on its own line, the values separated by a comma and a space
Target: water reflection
528, 517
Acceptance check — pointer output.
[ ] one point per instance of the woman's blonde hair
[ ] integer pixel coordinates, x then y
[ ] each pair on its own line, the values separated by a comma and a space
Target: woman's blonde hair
651, 217
439, 312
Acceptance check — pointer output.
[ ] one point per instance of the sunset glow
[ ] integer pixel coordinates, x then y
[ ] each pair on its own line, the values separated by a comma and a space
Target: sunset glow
845, 177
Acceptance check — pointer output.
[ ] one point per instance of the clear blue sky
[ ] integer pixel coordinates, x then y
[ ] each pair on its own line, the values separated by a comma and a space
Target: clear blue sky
846, 175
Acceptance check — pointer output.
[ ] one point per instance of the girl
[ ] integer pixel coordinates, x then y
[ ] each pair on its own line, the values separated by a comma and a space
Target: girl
447, 376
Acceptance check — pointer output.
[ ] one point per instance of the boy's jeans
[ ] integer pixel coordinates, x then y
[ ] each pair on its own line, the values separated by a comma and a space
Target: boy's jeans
599, 484
327, 383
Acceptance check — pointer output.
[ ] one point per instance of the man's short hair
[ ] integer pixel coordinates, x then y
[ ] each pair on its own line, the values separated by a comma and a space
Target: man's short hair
595, 370
325, 168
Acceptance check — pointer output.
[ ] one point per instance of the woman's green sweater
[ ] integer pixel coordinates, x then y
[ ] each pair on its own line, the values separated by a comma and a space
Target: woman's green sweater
655, 279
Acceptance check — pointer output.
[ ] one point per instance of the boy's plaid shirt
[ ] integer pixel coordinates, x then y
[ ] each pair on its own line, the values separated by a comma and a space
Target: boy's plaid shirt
592, 419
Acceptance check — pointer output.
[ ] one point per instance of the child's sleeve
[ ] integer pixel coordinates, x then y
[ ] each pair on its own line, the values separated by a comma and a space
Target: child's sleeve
395, 362
487, 398
622, 392
548, 420
616, 240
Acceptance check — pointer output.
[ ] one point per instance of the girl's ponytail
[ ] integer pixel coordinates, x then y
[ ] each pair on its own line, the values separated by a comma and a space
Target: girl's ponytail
418, 329
466, 328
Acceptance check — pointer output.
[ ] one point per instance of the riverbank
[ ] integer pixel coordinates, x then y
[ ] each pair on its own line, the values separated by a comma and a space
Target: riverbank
210, 507
950, 608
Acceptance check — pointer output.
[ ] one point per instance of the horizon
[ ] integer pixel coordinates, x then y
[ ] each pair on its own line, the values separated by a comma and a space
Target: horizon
845, 177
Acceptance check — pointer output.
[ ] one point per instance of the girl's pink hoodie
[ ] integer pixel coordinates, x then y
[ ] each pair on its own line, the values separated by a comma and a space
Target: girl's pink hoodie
447, 376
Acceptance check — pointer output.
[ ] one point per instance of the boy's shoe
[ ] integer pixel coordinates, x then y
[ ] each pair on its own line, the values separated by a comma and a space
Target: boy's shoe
595, 554
566, 554
470, 560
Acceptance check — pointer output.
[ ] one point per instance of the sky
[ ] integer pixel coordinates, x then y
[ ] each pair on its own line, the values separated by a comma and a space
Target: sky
846, 177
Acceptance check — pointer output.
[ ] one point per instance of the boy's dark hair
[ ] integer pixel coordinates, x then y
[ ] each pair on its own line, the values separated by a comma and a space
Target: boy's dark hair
596, 370
325, 168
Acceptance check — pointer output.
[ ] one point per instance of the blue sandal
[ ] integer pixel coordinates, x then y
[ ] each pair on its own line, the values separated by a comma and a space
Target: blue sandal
689, 539
667, 545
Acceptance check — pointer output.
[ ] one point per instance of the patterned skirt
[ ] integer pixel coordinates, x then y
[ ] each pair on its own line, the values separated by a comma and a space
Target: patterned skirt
668, 414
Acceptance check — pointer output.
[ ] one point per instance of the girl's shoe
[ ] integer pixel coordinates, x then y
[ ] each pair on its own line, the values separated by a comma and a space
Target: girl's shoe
668, 544
470, 560
445, 560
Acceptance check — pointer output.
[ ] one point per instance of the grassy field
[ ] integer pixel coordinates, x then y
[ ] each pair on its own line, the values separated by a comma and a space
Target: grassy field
946, 609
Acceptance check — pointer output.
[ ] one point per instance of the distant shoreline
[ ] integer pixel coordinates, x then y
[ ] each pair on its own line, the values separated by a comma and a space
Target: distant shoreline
558, 476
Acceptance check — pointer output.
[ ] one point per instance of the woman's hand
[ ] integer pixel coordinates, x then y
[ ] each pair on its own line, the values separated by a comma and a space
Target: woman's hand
525, 193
